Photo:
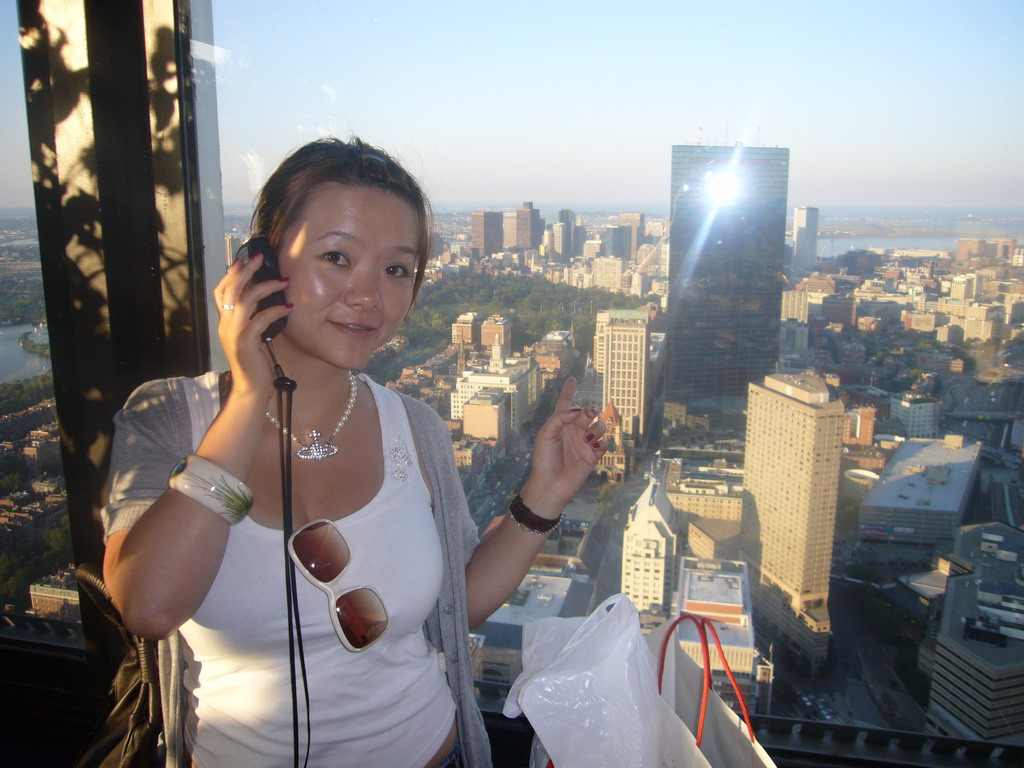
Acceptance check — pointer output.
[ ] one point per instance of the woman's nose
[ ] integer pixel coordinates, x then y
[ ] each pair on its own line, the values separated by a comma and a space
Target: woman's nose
362, 290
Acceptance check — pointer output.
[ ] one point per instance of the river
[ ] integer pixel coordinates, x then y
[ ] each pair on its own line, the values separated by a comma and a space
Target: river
16, 363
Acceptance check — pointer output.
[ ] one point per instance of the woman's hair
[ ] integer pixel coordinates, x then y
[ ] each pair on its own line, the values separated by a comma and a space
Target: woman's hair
282, 201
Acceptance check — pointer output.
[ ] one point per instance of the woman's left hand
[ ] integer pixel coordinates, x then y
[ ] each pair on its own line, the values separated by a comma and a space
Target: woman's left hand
567, 448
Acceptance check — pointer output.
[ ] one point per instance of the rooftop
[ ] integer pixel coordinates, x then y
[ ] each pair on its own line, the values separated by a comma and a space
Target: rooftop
991, 597
927, 583
926, 473
805, 387
538, 597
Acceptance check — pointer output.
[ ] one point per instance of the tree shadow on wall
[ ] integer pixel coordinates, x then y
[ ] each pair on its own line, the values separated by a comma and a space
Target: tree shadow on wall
116, 284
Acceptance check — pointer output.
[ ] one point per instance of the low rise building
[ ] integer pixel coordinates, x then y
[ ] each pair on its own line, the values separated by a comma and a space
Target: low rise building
919, 414
720, 591
920, 498
540, 596
519, 378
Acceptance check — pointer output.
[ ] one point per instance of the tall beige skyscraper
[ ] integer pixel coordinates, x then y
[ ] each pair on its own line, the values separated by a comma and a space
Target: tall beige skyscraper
621, 342
794, 435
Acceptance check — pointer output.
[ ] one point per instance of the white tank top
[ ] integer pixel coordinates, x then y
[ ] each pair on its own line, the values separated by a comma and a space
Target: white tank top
386, 706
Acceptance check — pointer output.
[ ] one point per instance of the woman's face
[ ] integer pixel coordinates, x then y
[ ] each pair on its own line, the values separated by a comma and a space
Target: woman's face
350, 261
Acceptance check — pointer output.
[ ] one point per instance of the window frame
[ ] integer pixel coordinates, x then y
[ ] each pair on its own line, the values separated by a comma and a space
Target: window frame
123, 280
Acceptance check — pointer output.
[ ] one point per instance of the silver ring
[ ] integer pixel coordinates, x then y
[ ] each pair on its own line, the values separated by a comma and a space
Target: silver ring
227, 306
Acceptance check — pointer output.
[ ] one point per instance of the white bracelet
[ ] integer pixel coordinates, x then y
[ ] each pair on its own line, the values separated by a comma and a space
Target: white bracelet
219, 491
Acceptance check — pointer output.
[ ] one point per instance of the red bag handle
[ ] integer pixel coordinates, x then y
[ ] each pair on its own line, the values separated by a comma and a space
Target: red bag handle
703, 624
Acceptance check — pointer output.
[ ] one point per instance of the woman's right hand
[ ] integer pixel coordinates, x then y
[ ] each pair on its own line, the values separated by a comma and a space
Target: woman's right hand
160, 570
241, 331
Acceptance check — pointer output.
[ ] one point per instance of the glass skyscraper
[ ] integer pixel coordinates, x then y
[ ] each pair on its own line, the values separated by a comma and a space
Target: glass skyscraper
727, 243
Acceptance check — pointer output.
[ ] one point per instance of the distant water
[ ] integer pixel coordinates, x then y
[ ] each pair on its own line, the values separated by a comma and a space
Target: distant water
829, 247
966, 216
16, 363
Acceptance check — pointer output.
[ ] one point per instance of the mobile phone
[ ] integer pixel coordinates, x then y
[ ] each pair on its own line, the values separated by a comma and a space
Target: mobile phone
268, 270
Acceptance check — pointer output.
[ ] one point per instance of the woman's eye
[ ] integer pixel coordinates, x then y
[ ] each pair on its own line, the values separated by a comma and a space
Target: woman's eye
336, 257
398, 270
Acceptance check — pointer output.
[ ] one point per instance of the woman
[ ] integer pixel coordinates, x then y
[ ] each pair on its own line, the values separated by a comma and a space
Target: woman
349, 230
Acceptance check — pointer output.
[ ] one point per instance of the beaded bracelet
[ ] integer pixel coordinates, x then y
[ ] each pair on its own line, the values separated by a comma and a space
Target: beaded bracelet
219, 491
529, 521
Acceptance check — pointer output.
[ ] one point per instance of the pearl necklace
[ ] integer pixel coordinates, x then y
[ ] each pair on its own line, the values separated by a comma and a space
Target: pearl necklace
316, 450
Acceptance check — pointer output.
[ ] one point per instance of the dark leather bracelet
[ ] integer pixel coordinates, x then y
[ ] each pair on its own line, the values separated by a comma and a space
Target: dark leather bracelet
529, 521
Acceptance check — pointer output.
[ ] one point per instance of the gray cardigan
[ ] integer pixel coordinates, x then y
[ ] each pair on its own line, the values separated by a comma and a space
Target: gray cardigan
154, 430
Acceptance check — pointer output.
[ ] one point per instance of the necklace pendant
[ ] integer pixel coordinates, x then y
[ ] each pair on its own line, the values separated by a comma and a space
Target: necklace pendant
316, 450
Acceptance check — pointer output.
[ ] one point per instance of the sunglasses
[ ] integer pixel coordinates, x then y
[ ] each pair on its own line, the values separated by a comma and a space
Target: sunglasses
322, 554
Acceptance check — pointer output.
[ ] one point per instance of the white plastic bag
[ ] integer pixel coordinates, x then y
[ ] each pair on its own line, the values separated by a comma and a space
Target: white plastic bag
589, 689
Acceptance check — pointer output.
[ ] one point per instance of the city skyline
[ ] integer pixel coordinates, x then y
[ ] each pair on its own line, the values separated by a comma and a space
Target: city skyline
864, 97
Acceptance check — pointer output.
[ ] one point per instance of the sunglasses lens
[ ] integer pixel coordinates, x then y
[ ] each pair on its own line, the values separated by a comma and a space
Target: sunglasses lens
322, 551
362, 616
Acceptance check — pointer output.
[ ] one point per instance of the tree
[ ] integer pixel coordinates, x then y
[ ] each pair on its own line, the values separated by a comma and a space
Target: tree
12, 483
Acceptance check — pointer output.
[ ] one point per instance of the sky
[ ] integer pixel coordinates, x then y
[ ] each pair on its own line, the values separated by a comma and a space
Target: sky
577, 103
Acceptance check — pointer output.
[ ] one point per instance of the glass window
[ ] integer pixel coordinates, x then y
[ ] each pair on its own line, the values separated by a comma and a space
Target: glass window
38, 591
713, 220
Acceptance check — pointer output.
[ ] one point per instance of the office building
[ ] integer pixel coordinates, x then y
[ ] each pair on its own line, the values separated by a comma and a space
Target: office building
593, 249
969, 248
487, 232
567, 219
1005, 248
978, 674
466, 329
607, 272
966, 287
794, 337
795, 428
794, 306
485, 417
727, 241
839, 310
497, 330
523, 228
616, 241
622, 340
919, 414
509, 230
56, 596
635, 222
705, 492
805, 239
650, 554
561, 242
920, 499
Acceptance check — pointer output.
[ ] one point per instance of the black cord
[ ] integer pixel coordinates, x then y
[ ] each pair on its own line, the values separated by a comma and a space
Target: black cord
285, 387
